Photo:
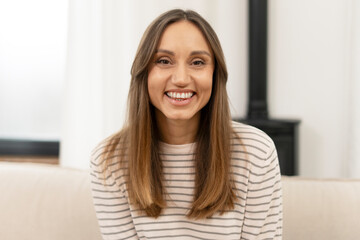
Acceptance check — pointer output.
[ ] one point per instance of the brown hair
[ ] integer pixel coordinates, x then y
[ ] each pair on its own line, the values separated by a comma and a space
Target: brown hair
213, 185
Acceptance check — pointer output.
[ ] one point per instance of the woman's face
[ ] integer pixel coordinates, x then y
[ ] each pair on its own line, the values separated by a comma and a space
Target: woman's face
181, 74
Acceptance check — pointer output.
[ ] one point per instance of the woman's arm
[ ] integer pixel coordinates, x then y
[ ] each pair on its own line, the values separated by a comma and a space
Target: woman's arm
263, 210
111, 205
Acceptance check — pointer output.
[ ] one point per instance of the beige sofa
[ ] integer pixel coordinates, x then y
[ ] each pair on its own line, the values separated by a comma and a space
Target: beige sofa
45, 202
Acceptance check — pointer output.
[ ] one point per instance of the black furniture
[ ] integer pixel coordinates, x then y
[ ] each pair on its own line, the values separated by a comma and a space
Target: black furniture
14, 147
283, 132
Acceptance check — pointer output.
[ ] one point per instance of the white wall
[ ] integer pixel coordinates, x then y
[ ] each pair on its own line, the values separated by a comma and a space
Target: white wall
310, 79
32, 58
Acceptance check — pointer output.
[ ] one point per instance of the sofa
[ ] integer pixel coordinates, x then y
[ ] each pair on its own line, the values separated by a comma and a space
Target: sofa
47, 202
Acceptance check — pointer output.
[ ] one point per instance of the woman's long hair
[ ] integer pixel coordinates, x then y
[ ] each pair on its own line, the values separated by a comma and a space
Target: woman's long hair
144, 172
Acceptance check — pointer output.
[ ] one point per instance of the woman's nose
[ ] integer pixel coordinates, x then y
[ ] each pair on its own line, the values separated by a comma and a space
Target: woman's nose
181, 75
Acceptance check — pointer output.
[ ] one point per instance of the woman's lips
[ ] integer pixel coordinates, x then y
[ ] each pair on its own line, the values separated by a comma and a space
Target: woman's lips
179, 98
179, 95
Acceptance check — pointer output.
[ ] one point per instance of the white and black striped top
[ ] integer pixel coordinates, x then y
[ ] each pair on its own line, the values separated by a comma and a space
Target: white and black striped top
257, 214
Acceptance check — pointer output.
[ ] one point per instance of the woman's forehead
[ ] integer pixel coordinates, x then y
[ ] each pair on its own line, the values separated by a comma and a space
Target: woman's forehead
183, 34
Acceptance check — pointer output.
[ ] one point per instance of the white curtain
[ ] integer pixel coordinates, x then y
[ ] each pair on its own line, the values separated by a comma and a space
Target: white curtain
354, 131
102, 41
83, 100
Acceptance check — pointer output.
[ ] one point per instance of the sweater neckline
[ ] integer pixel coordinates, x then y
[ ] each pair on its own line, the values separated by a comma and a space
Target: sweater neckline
177, 148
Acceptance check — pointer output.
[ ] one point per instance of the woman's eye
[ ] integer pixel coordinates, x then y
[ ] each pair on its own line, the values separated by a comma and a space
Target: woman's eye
198, 63
163, 61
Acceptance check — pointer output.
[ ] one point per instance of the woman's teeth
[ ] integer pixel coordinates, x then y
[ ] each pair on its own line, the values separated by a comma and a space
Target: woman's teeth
179, 96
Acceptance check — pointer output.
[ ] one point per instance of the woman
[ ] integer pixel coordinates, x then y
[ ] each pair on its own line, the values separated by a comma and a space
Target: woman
180, 168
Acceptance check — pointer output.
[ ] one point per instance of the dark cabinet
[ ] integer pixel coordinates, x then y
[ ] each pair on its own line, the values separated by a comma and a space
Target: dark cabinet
284, 133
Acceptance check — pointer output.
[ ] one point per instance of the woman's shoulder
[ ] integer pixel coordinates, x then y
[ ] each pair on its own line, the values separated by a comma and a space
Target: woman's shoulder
252, 139
106, 161
107, 150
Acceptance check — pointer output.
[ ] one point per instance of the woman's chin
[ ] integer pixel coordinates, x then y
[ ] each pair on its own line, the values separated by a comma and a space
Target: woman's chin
180, 117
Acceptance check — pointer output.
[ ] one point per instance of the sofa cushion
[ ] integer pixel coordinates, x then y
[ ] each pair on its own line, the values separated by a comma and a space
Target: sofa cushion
45, 202
321, 209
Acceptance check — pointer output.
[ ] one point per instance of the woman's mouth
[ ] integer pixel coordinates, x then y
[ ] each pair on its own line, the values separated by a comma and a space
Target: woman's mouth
180, 96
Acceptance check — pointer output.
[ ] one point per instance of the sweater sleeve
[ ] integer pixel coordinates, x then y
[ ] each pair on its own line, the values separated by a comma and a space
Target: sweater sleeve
110, 203
263, 210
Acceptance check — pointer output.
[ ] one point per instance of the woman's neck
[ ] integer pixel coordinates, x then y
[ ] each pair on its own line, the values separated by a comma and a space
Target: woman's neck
177, 131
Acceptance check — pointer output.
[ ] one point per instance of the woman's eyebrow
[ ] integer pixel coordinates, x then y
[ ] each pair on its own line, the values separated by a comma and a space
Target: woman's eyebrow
165, 51
200, 53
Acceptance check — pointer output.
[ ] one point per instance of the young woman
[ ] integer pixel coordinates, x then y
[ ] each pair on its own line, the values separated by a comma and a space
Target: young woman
180, 168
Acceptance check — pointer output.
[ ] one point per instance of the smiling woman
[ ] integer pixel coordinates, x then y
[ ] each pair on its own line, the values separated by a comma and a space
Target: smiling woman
179, 167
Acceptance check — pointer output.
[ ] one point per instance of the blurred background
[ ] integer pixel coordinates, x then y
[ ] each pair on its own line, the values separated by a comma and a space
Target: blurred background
65, 72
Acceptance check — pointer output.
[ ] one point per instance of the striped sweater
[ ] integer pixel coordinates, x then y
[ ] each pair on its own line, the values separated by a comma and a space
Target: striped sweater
257, 213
